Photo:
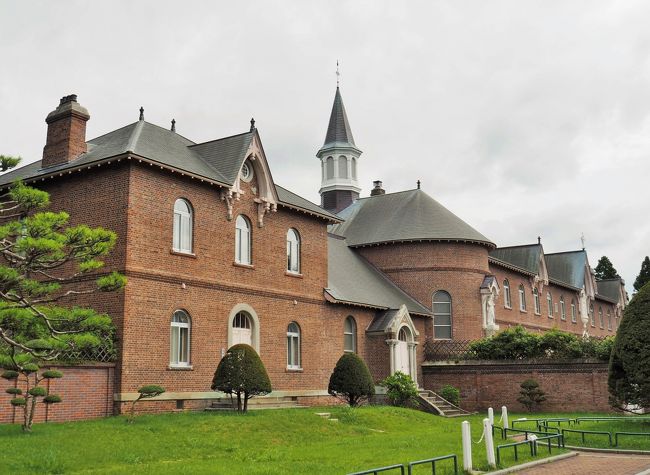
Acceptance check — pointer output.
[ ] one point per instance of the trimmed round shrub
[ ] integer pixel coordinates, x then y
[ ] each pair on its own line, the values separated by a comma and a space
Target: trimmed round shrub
30, 368
629, 371
351, 381
52, 399
18, 401
151, 390
401, 389
451, 394
14, 391
9, 374
37, 391
52, 374
530, 394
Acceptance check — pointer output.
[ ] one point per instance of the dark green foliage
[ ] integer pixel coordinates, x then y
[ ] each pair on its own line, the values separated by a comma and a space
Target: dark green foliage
52, 399
531, 396
451, 394
16, 391
52, 374
351, 381
7, 162
629, 366
241, 373
10, 374
401, 389
605, 269
145, 392
37, 391
644, 275
18, 401
511, 344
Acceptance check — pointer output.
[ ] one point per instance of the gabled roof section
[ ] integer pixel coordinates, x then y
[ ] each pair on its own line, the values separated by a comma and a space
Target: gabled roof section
353, 280
525, 257
338, 130
405, 216
226, 155
612, 289
567, 267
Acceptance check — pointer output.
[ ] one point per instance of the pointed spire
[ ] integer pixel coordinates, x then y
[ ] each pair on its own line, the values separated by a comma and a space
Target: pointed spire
141, 113
173, 125
419, 183
252, 124
338, 129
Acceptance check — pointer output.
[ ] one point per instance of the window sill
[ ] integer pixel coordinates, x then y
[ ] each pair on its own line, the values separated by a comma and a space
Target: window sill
243, 266
522, 311
180, 367
538, 313
293, 370
507, 307
551, 317
182, 253
293, 274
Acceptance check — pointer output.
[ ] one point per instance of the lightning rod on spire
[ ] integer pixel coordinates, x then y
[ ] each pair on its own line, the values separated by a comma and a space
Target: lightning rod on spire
338, 73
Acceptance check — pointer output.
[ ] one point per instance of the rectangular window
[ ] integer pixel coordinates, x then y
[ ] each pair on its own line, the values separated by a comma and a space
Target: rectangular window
293, 352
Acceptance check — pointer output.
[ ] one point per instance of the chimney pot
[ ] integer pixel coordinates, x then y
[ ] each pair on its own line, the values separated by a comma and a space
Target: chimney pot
377, 189
66, 132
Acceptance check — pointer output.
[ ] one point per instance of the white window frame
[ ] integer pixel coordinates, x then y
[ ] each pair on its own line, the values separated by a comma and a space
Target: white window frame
293, 346
243, 251
601, 317
574, 317
609, 319
293, 251
443, 314
176, 336
562, 308
183, 222
351, 332
549, 304
538, 305
507, 300
592, 315
522, 298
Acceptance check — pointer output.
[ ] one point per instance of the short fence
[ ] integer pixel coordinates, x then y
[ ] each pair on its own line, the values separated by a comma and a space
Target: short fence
100, 354
594, 432
375, 471
402, 468
448, 350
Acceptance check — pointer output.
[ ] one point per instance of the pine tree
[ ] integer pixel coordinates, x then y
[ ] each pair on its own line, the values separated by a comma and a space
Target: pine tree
605, 269
644, 275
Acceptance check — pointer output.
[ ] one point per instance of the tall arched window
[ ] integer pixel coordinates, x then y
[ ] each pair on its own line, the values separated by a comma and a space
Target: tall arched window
592, 317
242, 240
562, 308
179, 353
182, 241
538, 306
329, 168
600, 317
522, 298
350, 335
574, 318
354, 168
442, 315
293, 251
549, 304
293, 346
609, 319
507, 301
343, 167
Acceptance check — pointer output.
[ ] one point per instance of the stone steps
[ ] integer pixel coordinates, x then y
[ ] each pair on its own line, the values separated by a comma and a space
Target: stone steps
432, 402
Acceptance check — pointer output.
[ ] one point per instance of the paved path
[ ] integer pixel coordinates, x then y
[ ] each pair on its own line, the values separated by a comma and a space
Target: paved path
593, 464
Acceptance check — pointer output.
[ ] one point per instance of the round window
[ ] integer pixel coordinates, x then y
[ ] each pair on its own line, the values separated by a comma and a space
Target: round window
247, 171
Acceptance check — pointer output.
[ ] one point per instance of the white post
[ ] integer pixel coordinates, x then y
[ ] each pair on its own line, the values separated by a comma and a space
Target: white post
489, 443
467, 446
491, 415
504, 417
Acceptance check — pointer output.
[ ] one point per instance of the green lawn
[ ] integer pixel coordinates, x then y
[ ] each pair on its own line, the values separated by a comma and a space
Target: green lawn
261, 442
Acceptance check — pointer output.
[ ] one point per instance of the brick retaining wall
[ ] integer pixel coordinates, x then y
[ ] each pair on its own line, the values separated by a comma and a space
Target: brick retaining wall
569, 386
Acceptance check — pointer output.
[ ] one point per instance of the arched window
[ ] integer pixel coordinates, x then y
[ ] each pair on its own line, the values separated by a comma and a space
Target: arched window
343, 167
243, 240
600, 317
354, 168
538, 306
293, 346
562, 308
179, 353
182, 241
442, 315
549, 304
329, 168
506, 294
609, 319
574, 318
293, 251
592, 317
242, 329
350, 335
522, 298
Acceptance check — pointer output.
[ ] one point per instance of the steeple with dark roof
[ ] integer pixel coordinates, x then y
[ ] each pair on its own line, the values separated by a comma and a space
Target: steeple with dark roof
339, 158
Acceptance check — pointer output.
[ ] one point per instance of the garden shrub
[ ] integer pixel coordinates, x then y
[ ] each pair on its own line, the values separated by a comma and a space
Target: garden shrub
531, 395
511, 344
451, 394
351, 381
145, 392
401, 389
241, 373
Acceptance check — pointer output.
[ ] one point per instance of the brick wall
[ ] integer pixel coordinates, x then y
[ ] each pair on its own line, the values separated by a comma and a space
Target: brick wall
569, 386
86, 390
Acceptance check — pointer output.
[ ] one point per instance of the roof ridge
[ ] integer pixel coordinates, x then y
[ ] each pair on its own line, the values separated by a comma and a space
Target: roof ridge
167, 130
135, 136
112, 131
517, 245
218, 140
389, 194
563, 252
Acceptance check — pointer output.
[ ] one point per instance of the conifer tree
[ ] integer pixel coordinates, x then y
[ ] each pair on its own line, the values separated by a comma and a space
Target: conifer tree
644, 276
605, 269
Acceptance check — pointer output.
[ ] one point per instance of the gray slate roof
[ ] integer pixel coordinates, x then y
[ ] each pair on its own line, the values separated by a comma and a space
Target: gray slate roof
382, 321
610, 288
351, 279
567, 267
525, 257
338, 130
294, 201
405, 216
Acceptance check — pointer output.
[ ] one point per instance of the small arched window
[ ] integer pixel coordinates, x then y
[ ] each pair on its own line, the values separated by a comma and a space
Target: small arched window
242, 240
442, 315
601, 318
182, 241
522, 298
574, 318
179, 354
506, 294
592, 317
538, 306
562, 308
343, 166
609, 319
329, 168
549, 304
350, 335
293, 251
354, 168
293, 346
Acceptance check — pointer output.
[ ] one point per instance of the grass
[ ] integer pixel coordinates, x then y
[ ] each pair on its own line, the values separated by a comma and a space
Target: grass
260, 442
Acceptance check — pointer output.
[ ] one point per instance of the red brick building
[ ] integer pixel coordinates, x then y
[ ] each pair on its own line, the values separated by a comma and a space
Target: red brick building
215, 254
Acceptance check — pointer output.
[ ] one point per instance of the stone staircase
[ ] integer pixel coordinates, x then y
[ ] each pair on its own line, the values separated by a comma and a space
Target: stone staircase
435, 404
255, 404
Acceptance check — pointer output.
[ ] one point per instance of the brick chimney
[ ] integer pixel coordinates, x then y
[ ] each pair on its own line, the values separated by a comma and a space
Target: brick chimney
66, 132
377, 189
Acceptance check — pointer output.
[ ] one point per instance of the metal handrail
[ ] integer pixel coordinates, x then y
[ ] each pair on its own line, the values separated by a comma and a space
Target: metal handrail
514, 445
433, 461
616, 434
375, 471
583, 432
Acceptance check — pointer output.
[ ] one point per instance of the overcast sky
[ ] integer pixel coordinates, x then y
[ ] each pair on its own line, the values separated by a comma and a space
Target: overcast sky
524, 118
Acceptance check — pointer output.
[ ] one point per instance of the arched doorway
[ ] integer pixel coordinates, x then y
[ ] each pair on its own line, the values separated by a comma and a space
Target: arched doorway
242, 329
402, 352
